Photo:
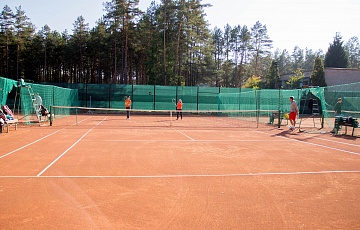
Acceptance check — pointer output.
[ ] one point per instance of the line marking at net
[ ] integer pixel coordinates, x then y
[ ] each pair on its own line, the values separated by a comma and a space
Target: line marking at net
199, 175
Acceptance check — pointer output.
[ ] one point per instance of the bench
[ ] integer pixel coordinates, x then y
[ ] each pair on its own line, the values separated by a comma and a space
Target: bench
9, 123
347, 122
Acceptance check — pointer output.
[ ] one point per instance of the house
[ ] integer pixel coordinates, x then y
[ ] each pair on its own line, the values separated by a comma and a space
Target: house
333, 76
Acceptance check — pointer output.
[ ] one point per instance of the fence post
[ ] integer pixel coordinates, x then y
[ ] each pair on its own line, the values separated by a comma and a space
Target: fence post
51, 116
109, 95
154, 97
197, 99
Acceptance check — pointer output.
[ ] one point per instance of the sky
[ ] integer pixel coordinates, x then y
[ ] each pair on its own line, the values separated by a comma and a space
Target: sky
310, 24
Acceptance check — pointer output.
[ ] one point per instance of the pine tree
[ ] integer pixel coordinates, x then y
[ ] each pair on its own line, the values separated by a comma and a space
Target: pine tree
6, 22
352, 48
318, 75
336, 56
272, 78
80, 38
23, 32
261, 44
218, 42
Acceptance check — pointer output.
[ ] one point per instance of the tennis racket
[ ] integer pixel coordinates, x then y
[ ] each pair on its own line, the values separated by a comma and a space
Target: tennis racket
174, 101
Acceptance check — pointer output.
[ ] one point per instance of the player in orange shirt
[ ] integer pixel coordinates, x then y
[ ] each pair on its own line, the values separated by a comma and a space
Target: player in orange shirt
179, 108
128, 107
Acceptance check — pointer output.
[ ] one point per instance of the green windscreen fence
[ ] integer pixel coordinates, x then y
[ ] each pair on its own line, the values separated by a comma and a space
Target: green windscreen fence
51, 95
350, 94
6, 86
18, 97
153, 97
150, 97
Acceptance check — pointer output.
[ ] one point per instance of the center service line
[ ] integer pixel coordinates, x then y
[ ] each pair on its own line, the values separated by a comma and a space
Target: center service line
69, 148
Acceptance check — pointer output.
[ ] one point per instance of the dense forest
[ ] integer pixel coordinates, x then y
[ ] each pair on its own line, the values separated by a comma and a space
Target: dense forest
169, 44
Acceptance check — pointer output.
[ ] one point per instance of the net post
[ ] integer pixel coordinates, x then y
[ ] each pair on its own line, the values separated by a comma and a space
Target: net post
51, 115
76, 116
170, 118
279, 118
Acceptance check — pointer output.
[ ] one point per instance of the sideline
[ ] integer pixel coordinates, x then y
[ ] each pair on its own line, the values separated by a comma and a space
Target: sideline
319, 145
337, 142
47, 167
30, 143
35, 141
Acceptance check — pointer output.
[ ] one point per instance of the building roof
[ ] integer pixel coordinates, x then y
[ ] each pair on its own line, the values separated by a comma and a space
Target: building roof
333, 76
339, 76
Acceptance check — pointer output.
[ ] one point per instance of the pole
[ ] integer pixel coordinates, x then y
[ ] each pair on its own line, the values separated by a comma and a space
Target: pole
51, 115
154, 97
76, 116
170, 118
279, 109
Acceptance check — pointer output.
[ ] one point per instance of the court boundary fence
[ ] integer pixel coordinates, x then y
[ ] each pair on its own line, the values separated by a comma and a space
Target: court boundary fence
154, 97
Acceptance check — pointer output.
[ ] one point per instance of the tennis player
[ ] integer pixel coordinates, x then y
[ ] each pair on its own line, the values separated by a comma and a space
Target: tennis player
179, 108
128, 106
294, 111
337, 113
337, 107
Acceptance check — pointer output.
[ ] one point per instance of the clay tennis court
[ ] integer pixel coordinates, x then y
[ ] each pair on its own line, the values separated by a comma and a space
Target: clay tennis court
107, 173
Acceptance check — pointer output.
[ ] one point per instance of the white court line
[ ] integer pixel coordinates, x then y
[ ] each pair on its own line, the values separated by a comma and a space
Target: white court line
35, 141
82, 120
193, 140
185, 135
338, 142
29, 144
319, 145
199, 175
47, 167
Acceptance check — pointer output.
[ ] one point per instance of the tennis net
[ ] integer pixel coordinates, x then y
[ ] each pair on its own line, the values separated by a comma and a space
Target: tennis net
86, 116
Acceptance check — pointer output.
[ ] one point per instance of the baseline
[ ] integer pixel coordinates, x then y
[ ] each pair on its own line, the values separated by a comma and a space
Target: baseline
192, 140
201, 175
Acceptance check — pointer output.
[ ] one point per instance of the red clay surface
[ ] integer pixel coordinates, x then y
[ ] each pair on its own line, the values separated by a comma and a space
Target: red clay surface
114, 174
